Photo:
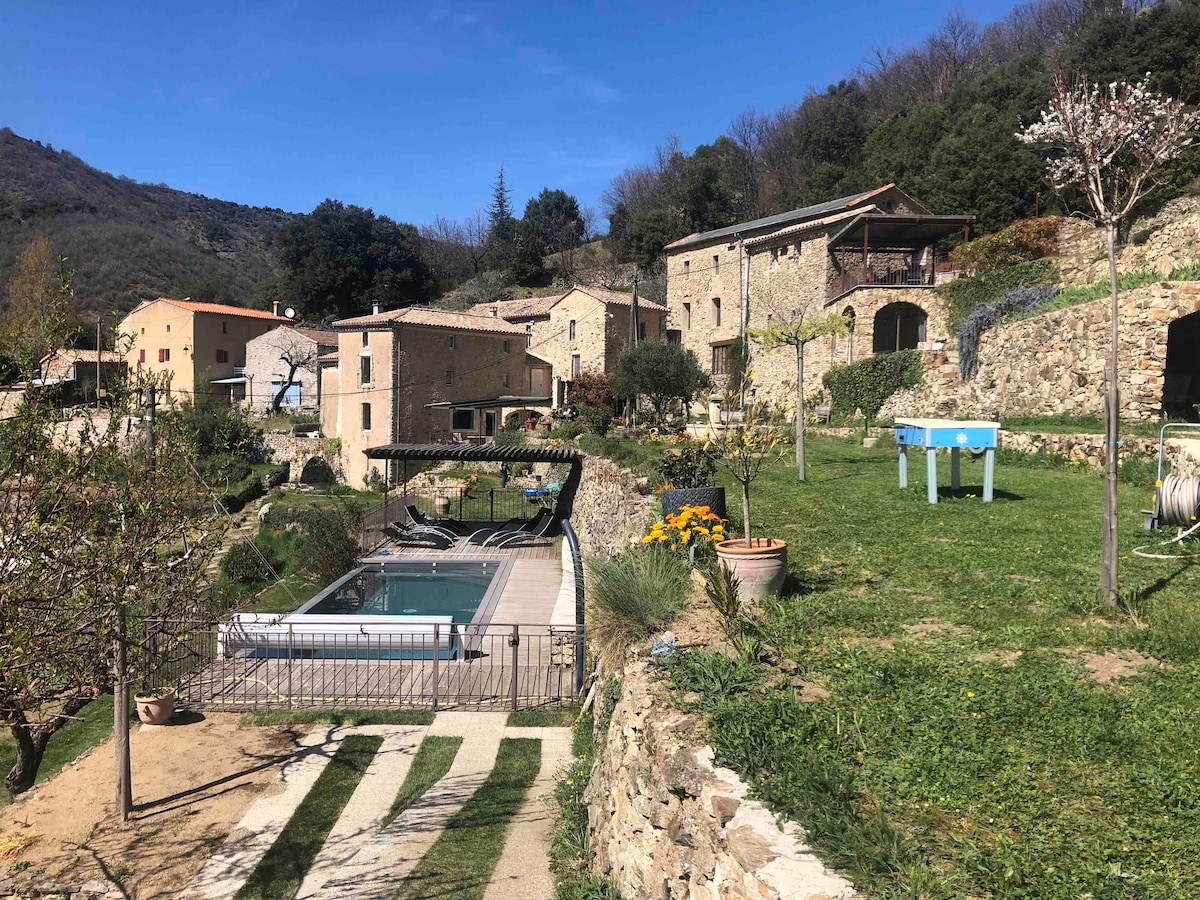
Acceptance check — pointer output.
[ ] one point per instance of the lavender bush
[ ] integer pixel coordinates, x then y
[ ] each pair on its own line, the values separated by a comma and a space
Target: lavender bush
1025, 298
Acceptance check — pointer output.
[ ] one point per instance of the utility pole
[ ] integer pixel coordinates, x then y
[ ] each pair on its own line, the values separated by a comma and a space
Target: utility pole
633, 315
99, 348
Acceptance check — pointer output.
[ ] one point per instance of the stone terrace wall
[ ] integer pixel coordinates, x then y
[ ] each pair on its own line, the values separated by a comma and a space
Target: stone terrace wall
296, 451
609, 512
1174, 240
662, 811
1054, 364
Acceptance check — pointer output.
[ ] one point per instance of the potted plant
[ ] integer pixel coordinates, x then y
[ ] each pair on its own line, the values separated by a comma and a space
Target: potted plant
743, 448
155, 694
686, 474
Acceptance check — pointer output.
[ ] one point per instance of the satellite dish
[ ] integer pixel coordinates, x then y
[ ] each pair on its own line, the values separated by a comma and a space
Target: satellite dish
290, 313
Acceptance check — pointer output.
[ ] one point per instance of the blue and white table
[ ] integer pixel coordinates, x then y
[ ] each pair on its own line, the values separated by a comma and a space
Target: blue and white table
934, 433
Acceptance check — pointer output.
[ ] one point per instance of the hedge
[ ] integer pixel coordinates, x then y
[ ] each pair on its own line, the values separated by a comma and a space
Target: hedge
247, 490
866, 384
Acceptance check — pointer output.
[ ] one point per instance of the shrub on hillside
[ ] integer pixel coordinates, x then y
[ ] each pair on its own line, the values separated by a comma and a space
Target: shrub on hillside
567, 431
328, 544
242, 493
866, 384
1022, 241
244, 564
591, 388
964, 294
596, 419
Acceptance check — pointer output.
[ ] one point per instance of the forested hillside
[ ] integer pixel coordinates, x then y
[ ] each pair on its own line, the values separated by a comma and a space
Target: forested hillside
939, 120
128, 241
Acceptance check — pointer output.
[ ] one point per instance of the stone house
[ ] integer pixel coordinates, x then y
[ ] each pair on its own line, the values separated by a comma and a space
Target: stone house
583, 330
869, 256
80, 372
272, 356
416, 375
199, 347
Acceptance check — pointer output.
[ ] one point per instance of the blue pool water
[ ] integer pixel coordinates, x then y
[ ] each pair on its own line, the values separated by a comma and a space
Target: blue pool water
448, 591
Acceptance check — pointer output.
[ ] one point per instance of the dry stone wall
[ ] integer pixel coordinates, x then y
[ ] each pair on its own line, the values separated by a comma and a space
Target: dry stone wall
1173, 241
297, 451
662, 812
610, 510
1055, 363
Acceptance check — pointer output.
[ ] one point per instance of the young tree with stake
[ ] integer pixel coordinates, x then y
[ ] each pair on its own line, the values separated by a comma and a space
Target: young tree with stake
796, 329
1110, 143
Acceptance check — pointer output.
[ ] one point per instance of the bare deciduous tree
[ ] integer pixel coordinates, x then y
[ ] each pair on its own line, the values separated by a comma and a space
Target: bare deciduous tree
1110, 142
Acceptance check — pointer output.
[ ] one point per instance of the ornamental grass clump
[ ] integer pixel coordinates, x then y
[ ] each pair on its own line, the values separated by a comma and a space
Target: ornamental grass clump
634, 594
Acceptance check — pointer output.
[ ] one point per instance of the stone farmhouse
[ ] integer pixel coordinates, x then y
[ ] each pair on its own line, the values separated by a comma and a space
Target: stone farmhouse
869, 256
199, 347
287, 350
583, 330
417, 375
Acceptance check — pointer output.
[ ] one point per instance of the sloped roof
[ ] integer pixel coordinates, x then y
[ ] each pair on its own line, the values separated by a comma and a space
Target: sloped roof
218, 309
328, 357
618, 297
536, 307
791, 217
532, 359
526, 308
83, 356
434, 318
317, 336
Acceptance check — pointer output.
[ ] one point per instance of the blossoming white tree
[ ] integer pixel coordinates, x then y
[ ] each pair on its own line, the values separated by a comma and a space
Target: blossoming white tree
1111, 143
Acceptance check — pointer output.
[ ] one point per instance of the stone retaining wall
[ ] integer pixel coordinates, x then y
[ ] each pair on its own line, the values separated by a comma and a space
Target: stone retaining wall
610, 512
296, 451
1173, 241
1055, 363
661, 811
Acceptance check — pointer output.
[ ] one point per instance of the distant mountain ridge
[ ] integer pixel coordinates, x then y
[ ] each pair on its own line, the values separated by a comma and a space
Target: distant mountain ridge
128, 241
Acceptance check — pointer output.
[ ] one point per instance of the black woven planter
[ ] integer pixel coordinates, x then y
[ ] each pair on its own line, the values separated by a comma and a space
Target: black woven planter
712, 497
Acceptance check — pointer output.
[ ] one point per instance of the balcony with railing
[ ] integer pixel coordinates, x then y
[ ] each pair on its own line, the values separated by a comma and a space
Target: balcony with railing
885, 250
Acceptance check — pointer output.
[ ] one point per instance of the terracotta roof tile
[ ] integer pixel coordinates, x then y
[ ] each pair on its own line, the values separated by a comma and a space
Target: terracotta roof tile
436, 318
219, 309
526, 308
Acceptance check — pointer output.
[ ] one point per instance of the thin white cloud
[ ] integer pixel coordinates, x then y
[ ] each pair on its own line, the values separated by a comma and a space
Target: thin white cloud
598, 90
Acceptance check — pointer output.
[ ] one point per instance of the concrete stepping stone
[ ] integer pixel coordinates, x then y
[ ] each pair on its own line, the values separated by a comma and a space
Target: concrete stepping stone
523, 870
226, 871
368, 806
379, 866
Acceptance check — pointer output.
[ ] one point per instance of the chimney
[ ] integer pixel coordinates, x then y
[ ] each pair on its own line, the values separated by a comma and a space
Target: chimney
275, 307
495, 311
375, 308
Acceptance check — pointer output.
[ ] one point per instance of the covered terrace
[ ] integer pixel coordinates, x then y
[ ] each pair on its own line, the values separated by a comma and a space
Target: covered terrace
888, 250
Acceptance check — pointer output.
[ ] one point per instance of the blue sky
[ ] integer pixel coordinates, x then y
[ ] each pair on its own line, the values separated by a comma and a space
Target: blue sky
411, 108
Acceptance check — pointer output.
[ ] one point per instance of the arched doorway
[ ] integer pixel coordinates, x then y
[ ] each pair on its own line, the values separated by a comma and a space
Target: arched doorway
1181, 377
317, 471
898, 326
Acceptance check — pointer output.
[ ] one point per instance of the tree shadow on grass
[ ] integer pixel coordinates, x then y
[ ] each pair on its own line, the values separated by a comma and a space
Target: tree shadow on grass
973, 492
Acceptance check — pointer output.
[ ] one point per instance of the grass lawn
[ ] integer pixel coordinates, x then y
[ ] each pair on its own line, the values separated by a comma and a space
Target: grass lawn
94, 725
433, 760
552, 717
1084, 425
965, 748
280, 872
287, 595
460, 863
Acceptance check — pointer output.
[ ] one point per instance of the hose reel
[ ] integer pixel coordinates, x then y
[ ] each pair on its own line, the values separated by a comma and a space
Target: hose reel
1177, 500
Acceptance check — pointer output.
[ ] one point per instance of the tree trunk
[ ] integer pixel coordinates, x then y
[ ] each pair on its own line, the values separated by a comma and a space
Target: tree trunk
31, 744
801, 474
22, 775
746, 512
1109, 584
277, 400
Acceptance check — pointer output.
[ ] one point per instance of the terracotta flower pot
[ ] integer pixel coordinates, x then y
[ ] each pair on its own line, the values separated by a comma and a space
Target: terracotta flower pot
155, 709
761, 567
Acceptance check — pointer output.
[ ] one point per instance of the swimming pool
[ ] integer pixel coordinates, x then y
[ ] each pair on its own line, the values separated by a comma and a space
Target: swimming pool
456, 589
385, 610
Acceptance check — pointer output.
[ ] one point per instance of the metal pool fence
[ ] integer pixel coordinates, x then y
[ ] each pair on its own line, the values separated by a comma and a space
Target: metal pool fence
229, 666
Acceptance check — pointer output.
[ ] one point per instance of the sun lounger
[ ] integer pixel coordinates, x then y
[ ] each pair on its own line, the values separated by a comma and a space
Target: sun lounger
408, 534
